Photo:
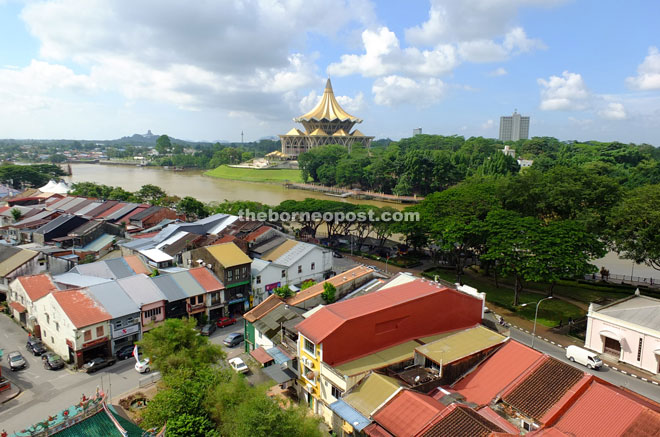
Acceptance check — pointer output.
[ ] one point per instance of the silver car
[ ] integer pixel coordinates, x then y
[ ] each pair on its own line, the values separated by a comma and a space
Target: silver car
16, 360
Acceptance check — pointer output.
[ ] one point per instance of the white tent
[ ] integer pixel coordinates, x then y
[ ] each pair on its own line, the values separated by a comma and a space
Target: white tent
60, 187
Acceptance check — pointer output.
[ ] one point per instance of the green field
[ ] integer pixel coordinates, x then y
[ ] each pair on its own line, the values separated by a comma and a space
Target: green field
255, 175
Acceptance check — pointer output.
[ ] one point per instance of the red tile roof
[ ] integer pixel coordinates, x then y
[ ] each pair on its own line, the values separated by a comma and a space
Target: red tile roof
81, 309
501, 369
546, 389
604, 411
127, 217
498, 420
115, 208
255, 234
136, 264
4, 208
147, 235
375, 430
206, 279
268, 305
261, 355
407, 413
460, 421
37, 286
17, 306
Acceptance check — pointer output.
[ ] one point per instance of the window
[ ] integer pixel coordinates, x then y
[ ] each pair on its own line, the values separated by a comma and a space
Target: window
118, 324
299, 269
47, 318
52, 340
43, 331
336, 393
309, 346
431, 365
284, 273
152, 313
88, 335
244, 271
237, 273
57, 326
229, 276
639, 350
99, 331
258, 279
309, 374
313, 266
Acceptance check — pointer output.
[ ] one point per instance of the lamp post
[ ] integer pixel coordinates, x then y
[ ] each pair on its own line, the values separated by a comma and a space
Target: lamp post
536, 314
387, 259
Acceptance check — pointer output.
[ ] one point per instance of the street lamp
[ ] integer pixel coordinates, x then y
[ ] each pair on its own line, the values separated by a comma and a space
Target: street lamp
387, 259
536, 314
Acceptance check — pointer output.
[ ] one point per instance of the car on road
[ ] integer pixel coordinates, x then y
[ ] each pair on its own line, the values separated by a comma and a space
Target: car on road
16, 360
238, 365
337, 255
52, 361
35, 346
225, 321
584, 357
143, 366
125, 352
207, 329
233, 339
97, 364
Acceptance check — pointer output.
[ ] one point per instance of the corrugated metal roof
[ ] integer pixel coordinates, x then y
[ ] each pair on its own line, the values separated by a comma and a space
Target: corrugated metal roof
278, 374
374, 390
60, 203
278, 251
77, 280
408, 413
146, 213
80, 308
350, 415
188, 283
271, 322
101, 242
337, 280
16, 260
278, 355
114, 299
461, 344
169, 287
119, 213
206, 279
37, 286
640, 310
89, 207
141, 289
156, 255
380, 359
228, 254
263, 308
261, 355
119, 268
485, 382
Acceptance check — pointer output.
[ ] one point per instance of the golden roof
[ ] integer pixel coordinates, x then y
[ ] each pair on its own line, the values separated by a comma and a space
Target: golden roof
318, 132
340, 133
328, 109
295, 132
357, 133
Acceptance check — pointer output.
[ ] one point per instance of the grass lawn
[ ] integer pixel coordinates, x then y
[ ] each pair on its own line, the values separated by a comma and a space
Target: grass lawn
550, 311
255, 175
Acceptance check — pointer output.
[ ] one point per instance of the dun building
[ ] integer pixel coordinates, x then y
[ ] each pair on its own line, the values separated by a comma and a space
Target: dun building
326, 124
514, 127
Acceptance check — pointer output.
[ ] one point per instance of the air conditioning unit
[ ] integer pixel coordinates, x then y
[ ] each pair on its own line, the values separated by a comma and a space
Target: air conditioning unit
209, 266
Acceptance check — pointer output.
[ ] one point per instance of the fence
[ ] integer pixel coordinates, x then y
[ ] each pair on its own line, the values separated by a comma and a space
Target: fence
624, 279
149, 379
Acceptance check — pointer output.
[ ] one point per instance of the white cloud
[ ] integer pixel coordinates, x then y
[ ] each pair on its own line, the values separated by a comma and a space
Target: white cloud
498, 72
487, 50
648, 72
613, 111
383, 56
351, 104
489, 124
565, 93
395, 90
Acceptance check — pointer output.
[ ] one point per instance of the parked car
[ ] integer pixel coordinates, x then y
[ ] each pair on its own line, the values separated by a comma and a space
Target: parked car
52, 361
98, 364
35, 346
16, 360
125, 352
337, 255
238, 365
143, 366
225, 321
233, 339
207, 329
586, 358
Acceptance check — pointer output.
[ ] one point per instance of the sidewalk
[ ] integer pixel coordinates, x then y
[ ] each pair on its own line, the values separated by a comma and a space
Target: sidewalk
8, 395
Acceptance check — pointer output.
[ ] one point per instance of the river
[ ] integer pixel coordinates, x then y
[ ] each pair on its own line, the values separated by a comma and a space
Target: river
195, 184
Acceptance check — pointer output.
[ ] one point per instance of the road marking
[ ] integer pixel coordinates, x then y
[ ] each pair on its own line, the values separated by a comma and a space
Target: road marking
653, 382
553, 342
633, 375
545, 339
644, 379
614, 368
623, 371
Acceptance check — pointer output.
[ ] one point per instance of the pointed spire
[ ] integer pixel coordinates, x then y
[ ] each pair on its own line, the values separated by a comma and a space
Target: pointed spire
328, 108
328, 86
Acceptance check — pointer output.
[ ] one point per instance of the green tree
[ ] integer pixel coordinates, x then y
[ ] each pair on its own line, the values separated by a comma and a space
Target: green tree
192, 208
634, 226
283, 291
150, 194
16, 214
308, 283
329, 294
163, 145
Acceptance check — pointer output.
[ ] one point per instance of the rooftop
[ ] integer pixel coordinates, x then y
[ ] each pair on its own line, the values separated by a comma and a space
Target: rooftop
327, 109
228, 255
460, 421
12, 258
80, 308
263, 308
640, 310
206, 279
113, 299
371, 393
337, 280
37, 286
461, 344
407, 413
141, 289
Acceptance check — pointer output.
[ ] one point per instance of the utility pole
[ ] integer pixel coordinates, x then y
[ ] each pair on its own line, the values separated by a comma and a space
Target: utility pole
241, 138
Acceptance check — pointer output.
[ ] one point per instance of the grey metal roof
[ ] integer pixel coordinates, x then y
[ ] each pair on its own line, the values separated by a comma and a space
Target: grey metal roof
36, 217
72, 204
77, 280
278, 374
141, 289
114, 299
54, 224
188, 284
7, 252
119, 267
100, 208
146, 213
270, 324
74, 208
291, 256
99, 243
268, 245
640, 310
85, 228
115, 268
60, 203
90, 207
122, 211
169, 288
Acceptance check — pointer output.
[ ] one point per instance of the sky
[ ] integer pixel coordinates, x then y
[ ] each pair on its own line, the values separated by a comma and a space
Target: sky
209, 70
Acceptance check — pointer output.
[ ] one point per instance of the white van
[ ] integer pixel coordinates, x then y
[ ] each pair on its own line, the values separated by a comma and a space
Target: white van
584, 357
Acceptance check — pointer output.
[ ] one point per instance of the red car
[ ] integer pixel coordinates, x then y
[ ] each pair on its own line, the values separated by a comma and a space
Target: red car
225, 321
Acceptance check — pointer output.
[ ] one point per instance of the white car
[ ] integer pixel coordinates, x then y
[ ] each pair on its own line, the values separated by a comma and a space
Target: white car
238, 365
143, 366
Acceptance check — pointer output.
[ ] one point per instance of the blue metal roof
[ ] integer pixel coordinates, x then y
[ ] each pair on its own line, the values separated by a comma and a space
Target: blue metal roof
99, 243
350, 415
279, 356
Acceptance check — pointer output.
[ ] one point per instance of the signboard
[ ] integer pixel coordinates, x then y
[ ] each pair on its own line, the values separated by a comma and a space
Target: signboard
123, 332
273, 286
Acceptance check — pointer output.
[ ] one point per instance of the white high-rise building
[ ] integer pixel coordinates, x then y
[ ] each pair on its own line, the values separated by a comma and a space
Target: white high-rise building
514, 127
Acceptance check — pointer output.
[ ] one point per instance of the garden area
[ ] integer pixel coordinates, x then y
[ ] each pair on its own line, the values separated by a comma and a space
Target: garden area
255, 175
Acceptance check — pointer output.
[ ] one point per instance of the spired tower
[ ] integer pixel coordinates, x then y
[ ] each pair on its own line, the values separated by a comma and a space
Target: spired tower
327, 123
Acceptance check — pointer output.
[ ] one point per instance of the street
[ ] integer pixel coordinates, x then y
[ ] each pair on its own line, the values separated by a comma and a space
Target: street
644, 388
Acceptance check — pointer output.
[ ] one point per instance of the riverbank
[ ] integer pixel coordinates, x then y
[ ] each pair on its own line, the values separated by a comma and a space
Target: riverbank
255, 175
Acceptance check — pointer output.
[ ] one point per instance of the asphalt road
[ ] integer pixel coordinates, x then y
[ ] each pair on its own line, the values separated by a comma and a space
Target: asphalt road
647, 389
46, 392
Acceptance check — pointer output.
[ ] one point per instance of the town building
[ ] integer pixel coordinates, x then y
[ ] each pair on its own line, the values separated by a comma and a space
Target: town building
514, 127
24, 292
15, 262
627, 330
148, 297
326, 124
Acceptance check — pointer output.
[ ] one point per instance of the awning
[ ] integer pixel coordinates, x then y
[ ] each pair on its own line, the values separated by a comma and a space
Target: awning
260, 355
278, 355
350, 415
278, 374
18, 307
610, 334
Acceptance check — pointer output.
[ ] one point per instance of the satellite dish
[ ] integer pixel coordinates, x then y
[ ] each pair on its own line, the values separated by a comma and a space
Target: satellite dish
416, 378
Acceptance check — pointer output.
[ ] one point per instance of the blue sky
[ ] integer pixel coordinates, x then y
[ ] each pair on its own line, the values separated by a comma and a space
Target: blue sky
92, 69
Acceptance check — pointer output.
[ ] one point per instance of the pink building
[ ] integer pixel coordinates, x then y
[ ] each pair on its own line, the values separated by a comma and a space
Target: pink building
628, 330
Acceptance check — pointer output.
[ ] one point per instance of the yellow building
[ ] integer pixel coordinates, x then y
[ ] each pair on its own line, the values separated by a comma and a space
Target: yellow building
326, 124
